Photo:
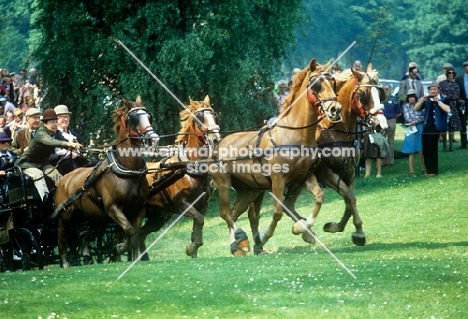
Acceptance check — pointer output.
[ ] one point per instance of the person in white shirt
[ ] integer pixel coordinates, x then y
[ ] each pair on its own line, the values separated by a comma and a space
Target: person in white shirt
61, 155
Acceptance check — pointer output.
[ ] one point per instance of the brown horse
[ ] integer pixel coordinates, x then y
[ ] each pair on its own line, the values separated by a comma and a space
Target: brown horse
281, 154
360, 97
116, 188
198, 134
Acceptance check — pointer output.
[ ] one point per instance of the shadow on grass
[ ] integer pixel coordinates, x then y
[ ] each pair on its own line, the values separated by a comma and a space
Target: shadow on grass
374, 247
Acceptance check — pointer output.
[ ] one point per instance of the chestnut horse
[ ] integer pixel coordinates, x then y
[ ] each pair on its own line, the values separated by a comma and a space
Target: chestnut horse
116, 188
281, 154
360, 97
198, 134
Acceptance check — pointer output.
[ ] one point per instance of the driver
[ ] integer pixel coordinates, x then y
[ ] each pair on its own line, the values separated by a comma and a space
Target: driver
35, 160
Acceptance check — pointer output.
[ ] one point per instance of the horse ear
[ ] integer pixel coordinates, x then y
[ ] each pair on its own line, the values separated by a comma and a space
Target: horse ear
207, 100
358, 75
313, 65
369, 68
138, 100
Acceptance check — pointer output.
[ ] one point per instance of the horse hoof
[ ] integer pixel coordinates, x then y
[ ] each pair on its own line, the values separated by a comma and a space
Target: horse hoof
88, 260
258, 251
238, 253
359, 239
331, 227
308, 236
244, 245
299, 227
191, 250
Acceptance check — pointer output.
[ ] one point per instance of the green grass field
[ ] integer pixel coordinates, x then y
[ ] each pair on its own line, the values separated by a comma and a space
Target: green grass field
414, 265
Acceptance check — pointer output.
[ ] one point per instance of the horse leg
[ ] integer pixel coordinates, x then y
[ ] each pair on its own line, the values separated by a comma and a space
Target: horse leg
115, 212
237, 236
244, 199
278, 184
154, 222
196, 239
254, 219
302, 226
63, 230
358, 237
134, 242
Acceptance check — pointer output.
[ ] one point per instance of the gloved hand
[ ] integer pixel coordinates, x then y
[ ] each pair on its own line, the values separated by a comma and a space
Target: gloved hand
74, 145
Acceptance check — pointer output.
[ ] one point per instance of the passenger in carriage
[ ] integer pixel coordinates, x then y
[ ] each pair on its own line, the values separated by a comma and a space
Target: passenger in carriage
22, 138
35, 160
77, 160
7, 159
5, 140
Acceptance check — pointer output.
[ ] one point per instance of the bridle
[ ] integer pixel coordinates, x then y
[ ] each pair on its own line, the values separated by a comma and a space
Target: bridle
199, 120
313, 87
358, 95
131, 121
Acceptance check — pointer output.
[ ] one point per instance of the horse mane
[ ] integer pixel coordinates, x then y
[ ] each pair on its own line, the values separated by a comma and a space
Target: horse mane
185, 127
295, 89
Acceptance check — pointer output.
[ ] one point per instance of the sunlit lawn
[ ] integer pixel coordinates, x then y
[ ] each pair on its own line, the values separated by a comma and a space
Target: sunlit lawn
414, 264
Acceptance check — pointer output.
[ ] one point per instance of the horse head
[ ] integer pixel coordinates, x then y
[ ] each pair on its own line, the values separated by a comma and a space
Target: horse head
203, 121
367, 97
137, 121
321, 91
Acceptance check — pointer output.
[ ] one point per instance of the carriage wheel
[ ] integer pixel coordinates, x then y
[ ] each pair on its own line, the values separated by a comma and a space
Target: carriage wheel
3, 267
26, 253
103, 247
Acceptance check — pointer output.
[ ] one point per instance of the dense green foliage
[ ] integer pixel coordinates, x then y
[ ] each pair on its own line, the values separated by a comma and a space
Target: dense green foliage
220, 48
231, 50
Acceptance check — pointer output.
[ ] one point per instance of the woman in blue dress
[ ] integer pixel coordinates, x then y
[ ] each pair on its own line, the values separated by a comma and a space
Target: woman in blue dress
413, 141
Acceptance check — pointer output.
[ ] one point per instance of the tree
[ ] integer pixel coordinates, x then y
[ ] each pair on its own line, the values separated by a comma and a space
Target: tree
227, 49
437, 35
15, 26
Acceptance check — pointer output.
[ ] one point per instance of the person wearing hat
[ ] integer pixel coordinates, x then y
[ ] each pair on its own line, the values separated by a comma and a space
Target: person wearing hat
5, 140
35, 160
413, 141
22, 137
451, 91
18, 122
462, 81
435, 121
77, 160
391, 111
443, 76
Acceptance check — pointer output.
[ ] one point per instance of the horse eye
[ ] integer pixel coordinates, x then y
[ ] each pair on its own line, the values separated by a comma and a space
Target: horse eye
200, 116
364, 98
317, 86
134, 119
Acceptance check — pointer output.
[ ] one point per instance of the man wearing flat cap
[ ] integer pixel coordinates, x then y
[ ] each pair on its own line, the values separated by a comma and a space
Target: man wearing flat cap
462, 81
22, 137
435, 121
